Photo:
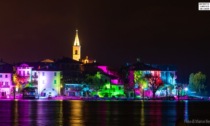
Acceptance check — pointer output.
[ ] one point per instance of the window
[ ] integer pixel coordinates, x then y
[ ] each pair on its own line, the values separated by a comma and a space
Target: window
76, 52
55, 74
0, 76
1, 83
19, 73
23, 73
6, 84
6, 76
54, 81
42, 73
28, 73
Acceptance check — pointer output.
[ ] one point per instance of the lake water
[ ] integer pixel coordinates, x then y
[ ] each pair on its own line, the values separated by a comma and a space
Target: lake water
102, 113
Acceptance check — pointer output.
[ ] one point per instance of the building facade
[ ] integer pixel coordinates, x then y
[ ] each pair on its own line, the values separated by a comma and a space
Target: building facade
6, 83
48, 81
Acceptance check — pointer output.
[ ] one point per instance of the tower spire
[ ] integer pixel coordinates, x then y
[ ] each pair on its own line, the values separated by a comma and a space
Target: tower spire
76, 48
76, 40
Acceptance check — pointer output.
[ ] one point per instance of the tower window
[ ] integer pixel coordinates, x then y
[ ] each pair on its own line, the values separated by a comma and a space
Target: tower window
76, 52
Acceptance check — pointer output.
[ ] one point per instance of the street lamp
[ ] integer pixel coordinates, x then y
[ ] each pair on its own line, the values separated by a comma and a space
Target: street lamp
185, 89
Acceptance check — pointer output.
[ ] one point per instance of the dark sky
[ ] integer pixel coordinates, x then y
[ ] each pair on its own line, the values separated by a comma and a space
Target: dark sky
112, 32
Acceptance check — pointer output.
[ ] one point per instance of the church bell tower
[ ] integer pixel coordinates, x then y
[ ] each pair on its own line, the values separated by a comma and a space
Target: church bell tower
76, 48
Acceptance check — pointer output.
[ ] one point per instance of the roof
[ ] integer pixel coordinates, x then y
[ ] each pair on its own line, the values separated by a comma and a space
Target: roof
47, 68
165, 67
67, 60
39, 66
5, 67
142, 66
47, 61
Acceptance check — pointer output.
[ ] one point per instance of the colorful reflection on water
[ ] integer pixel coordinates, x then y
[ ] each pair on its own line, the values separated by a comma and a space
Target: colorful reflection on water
100, 113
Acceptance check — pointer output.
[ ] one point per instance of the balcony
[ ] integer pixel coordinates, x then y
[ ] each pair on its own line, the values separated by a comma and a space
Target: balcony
4, 86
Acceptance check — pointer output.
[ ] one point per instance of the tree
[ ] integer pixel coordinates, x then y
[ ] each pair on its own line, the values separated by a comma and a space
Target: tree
96, 81
140, 79
154, 82
197, 81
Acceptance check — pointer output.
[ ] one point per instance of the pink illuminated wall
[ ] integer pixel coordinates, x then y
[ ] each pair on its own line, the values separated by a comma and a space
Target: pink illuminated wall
5, 84
24, 70
112, 73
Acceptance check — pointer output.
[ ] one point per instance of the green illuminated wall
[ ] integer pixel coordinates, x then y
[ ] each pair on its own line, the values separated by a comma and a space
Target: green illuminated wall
109, 90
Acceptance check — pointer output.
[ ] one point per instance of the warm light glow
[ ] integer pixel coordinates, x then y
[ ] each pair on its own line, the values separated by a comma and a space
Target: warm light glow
76, 109
16, 113
76, 41
16, 88
76, 48
142, 112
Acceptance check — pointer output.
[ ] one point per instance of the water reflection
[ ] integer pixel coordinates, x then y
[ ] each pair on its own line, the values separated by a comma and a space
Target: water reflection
186, 117
15, 113
182, 112
76, 116
100, 113
142, 123
155, 113
60, 114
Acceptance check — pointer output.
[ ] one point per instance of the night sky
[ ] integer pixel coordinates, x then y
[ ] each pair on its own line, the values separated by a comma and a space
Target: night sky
112, 32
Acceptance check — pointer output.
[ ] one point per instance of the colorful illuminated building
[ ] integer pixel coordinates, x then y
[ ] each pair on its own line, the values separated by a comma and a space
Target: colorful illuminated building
168, 76
140, 86
67, 76
49, 81
6, 85
107, 81
22, 76
168, 73
76, 90
42, 76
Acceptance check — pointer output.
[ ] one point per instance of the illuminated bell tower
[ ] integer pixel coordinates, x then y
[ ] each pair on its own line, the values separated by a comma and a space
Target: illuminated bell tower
76, 48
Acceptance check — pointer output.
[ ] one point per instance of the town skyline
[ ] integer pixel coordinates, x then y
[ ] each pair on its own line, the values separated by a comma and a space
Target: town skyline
112, 33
